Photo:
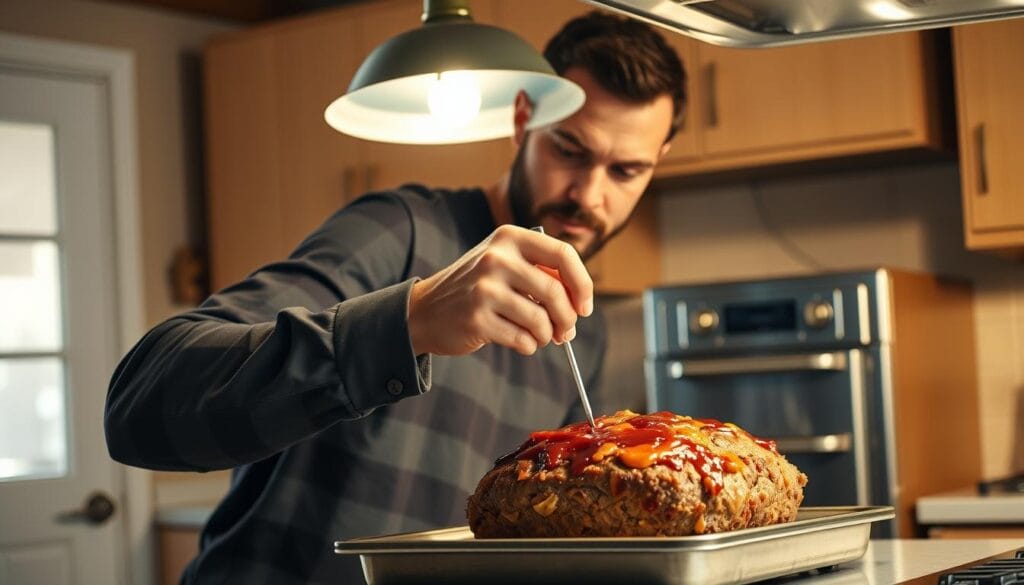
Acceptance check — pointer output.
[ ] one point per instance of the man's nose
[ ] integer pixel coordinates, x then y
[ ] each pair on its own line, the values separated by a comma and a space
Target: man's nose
588, 187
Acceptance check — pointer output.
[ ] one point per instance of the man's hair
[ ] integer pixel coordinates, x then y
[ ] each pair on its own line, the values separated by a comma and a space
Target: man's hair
626, 57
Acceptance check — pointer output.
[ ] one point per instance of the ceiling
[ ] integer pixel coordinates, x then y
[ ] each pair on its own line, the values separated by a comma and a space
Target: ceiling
247, 11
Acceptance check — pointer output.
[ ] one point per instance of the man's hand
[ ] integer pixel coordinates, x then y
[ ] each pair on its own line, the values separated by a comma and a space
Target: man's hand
498, 292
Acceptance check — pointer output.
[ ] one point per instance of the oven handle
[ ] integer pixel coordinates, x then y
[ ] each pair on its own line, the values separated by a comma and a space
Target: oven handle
840, 443
825, 361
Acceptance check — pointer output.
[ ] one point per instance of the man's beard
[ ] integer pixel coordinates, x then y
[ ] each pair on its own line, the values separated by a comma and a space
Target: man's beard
521, 199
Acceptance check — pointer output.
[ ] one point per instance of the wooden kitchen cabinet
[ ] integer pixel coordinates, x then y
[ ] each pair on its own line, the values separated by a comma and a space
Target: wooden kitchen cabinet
243, 156
989, 61
685, 147
757, 107
521, 18
275, 169
319, 166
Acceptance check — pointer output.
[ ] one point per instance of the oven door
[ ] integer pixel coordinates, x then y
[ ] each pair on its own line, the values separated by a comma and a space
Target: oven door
811, 404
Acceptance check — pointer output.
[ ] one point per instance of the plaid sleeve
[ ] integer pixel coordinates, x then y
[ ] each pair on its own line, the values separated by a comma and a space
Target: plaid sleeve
286, 353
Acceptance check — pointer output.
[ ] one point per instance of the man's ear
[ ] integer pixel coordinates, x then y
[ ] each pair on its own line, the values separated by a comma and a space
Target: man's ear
664, 150
523, 111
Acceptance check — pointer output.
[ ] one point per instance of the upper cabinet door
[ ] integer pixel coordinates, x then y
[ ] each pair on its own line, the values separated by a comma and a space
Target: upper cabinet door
990, 90
242, 156
523, 17
818, 99
686, 143
319, 165
390, 165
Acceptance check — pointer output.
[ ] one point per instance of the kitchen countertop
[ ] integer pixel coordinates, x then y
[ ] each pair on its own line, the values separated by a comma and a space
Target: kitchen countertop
967, 507
894, 561
885, 562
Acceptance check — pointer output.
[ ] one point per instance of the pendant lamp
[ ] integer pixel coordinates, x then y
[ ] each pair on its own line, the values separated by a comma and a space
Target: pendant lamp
450, 81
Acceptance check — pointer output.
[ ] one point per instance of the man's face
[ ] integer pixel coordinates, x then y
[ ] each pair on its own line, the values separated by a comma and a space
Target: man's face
582, 177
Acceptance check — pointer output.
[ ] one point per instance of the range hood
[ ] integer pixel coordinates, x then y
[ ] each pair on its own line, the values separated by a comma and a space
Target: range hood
765, 23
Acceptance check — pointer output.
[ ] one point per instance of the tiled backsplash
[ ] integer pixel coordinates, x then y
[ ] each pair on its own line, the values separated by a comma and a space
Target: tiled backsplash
904, 217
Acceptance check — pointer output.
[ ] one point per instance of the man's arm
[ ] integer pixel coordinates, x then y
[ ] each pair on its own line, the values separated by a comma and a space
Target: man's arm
286, 353
305, 343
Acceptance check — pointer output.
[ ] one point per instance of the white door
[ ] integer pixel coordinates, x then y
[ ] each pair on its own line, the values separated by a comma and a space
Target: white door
58, 331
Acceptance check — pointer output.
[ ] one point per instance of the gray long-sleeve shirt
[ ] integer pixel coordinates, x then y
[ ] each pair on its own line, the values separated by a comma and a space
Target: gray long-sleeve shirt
303, 380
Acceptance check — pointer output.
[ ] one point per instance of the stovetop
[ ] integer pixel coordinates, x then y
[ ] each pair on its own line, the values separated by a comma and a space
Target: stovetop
1008, 570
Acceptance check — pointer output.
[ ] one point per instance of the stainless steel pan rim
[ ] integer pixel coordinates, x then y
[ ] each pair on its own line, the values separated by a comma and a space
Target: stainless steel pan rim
809, 520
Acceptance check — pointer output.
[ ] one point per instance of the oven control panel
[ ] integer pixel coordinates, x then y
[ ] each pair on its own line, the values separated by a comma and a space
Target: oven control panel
843, 312
769, 316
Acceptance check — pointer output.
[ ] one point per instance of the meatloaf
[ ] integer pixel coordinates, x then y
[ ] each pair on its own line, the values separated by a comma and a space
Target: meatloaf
636, 475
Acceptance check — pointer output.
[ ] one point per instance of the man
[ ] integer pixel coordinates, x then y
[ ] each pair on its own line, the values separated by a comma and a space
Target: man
323, 380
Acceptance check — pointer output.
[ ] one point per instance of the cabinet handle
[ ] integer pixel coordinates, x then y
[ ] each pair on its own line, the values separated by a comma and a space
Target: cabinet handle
348, 184
979, 141
711, 89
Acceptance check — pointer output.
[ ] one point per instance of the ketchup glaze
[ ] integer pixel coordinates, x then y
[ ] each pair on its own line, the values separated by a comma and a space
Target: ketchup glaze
638, 441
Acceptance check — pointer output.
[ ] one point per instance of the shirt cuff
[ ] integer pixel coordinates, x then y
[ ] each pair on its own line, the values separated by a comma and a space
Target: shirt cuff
373, 350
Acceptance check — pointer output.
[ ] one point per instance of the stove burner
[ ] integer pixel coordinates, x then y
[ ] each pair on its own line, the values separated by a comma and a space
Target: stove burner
997, 572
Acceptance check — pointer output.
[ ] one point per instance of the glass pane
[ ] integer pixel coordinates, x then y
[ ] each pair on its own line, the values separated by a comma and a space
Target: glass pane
32, 422
28, 200
30, 304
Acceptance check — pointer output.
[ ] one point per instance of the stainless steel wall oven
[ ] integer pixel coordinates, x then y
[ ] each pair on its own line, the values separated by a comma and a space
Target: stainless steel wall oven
814, 363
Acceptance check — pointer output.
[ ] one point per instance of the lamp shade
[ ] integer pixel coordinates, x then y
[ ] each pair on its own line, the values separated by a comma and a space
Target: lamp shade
423, 86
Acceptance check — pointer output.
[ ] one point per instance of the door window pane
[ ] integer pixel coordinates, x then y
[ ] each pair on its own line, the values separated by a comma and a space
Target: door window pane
30, 303
27, 196
33, 443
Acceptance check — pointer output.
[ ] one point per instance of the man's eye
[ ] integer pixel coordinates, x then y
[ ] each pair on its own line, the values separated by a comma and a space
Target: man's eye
567, 152
625, 172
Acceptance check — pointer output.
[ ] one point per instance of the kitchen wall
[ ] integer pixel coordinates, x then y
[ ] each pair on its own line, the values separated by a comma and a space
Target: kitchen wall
902, 216
167, 47
622, 373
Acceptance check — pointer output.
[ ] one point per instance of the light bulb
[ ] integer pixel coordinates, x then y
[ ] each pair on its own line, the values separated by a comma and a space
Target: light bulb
454, 98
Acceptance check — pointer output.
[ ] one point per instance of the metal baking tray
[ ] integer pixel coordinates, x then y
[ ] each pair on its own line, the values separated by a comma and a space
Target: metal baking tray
819, 537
